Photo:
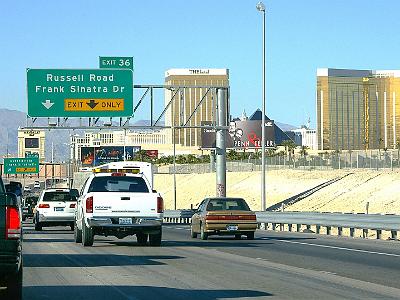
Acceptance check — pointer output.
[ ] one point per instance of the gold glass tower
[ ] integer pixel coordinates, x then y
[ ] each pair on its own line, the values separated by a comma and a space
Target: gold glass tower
186, 100
358, 109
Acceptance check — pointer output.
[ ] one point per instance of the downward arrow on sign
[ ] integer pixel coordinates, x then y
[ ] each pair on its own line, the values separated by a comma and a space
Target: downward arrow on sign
47, 104
92, 104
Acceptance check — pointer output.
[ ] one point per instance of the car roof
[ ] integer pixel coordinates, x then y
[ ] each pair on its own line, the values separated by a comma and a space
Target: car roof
225, 198
125, 174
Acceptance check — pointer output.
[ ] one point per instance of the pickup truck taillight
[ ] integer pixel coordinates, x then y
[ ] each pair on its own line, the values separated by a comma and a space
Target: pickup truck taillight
13, 223
160, 205
44, 205
89, 204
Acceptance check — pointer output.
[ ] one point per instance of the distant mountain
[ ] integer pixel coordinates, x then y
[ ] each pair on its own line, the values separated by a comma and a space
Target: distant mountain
10, 120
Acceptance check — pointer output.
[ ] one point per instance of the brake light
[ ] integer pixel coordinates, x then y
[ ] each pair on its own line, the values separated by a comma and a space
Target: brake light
160, 204
13, 223
72, 205
89, 204
118, 174
44, 205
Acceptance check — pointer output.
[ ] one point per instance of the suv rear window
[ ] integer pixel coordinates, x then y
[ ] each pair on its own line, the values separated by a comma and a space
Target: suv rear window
57, 196
227, 204
118, 184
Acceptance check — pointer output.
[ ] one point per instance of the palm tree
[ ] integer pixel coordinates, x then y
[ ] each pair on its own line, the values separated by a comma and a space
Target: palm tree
289, 147
398, 150
303, 151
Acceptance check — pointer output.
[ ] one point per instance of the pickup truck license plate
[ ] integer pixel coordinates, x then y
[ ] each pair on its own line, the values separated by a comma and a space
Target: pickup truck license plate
58, 208
125, 221
232, 227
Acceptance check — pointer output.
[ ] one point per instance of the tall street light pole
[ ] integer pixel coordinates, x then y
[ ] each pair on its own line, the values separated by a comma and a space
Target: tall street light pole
261, 8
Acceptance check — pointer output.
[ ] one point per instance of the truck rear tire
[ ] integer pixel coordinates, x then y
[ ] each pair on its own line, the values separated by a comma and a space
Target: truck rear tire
77, 234
38, 226
250, 236
142, 238
14, 286
155, 239
87, 235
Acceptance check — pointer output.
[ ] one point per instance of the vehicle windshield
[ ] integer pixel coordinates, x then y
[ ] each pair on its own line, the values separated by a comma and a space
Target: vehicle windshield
227, 204
118, 184
57, 196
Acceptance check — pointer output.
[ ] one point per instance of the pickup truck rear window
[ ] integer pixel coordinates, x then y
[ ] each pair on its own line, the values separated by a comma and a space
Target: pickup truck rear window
57, 196
118, 184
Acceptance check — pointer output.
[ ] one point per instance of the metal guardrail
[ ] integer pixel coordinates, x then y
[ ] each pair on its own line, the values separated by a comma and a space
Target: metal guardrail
364, 222
178, 216
340, 220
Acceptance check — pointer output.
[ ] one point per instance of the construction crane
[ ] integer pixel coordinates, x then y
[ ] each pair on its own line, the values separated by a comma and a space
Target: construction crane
366, 111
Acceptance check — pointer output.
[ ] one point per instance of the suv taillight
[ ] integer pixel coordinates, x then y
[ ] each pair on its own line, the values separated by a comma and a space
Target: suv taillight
44, 205
160, 205
72, 205
89, 204
13, 223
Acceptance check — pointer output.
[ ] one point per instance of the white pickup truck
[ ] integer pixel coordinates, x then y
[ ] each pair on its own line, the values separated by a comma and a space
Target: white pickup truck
118, 200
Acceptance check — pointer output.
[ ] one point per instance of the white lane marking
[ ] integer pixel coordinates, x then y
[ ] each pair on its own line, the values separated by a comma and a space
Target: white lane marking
335, 247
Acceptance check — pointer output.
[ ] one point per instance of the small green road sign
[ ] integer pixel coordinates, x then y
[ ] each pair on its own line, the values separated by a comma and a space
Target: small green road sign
21, 165
80, 93
31, 154
110, 62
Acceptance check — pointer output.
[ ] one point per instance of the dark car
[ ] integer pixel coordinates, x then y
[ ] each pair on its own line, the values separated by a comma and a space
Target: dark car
10, 245
223, 216
29, 204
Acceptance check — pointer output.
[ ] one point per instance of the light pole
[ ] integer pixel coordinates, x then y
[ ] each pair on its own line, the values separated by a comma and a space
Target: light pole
261, 8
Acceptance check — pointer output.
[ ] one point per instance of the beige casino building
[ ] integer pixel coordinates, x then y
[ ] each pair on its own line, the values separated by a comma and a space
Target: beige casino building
357, 109
30, 142
185, 102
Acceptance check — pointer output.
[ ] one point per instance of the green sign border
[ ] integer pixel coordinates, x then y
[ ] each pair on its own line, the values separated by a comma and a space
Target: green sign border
37, 77
31, 162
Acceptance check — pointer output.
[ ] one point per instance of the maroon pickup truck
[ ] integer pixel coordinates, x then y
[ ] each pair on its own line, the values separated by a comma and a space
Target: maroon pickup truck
10, 245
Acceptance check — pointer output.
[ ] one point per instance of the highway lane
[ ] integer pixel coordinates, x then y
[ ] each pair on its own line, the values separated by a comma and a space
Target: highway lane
273, 266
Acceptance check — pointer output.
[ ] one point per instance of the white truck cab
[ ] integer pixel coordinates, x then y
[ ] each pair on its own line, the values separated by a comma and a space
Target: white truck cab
118, 200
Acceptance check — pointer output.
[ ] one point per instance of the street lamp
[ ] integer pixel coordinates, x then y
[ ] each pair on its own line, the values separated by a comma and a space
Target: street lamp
261, 8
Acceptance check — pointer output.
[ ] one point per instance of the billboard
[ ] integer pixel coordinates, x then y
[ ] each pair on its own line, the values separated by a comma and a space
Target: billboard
241, 135
153, 154
31, 143
95, 156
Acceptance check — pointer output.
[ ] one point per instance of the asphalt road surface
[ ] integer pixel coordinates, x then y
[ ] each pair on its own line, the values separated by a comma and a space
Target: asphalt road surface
273, 266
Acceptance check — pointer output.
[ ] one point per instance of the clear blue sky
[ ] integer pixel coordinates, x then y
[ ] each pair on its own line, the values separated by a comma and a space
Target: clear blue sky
301, 36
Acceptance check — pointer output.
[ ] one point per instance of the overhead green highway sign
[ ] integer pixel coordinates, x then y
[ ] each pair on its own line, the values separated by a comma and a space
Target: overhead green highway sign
80, 93
111, 62
21, 165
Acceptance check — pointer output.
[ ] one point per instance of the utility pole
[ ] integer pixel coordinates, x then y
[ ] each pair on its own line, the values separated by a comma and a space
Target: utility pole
261, 8
220, 151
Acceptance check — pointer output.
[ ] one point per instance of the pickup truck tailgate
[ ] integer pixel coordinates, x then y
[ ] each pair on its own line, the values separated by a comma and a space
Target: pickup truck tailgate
124, 204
